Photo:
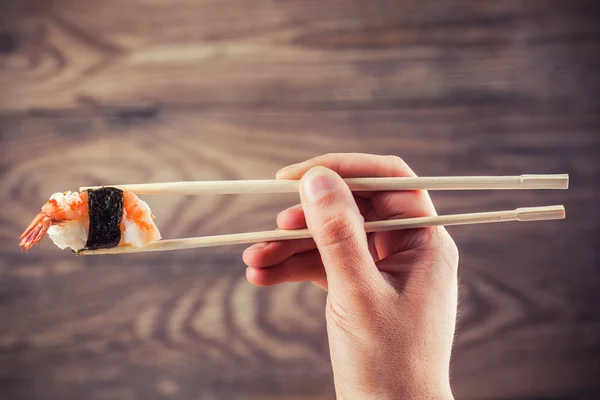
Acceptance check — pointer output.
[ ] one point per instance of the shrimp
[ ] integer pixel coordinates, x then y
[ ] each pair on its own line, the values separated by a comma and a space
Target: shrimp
66, 218
137, 226
62, 208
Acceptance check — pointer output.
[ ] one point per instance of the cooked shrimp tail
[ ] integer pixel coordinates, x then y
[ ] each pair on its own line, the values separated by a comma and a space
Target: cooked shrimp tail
35, 231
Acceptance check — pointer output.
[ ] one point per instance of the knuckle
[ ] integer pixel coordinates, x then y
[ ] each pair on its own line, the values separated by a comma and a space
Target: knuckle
451, 252
338, 229
446, 261
396, 159
424, 238
399, 167
398, 162
327, 158
446, 245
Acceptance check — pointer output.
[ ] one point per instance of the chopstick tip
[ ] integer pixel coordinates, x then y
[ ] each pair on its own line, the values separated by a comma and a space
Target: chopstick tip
566, 181
540, 213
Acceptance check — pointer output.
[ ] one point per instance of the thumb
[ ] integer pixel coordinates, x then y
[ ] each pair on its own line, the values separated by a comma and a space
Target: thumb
337, 228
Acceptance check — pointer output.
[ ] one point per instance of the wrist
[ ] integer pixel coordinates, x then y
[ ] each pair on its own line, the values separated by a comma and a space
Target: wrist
391, 389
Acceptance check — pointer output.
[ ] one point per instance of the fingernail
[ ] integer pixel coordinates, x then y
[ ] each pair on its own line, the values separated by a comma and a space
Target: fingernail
317, 183
286, 170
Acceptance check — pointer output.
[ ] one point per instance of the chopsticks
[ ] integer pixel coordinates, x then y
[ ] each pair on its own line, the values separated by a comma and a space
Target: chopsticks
523, 182
525, 214
520, 182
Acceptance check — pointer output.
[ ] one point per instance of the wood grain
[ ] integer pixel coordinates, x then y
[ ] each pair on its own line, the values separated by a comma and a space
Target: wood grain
189, 323
342, 53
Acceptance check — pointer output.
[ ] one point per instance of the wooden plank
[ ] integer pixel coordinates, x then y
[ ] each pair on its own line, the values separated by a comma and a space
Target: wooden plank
302, 54
187, 325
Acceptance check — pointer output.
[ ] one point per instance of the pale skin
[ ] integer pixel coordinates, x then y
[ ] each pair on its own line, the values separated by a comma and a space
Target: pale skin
391, 296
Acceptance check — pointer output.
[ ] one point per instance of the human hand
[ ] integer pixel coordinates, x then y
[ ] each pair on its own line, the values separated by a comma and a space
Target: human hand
392, 296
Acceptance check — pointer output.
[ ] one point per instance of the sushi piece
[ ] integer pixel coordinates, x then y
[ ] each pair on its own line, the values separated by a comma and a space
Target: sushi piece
93, 219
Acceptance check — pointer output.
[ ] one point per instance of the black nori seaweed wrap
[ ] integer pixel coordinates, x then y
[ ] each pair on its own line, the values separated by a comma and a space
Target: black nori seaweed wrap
105, 207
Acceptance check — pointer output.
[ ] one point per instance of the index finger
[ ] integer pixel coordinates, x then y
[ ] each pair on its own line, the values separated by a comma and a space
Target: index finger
356, 165
351, 165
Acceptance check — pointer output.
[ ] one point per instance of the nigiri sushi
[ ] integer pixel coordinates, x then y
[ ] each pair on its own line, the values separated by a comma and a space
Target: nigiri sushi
93, 219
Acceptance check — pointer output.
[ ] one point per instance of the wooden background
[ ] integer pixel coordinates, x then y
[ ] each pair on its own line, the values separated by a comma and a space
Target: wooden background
101, 92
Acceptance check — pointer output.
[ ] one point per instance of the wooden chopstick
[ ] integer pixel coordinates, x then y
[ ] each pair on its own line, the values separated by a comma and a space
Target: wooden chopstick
520, 214
558, 181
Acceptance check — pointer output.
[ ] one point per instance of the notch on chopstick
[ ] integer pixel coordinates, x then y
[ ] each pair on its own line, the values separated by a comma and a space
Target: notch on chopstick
559, 181
520, 214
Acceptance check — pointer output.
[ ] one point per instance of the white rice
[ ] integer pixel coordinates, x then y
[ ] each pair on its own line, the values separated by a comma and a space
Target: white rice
72, 234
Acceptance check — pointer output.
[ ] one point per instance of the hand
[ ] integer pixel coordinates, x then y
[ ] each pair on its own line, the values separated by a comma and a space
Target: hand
392, 296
